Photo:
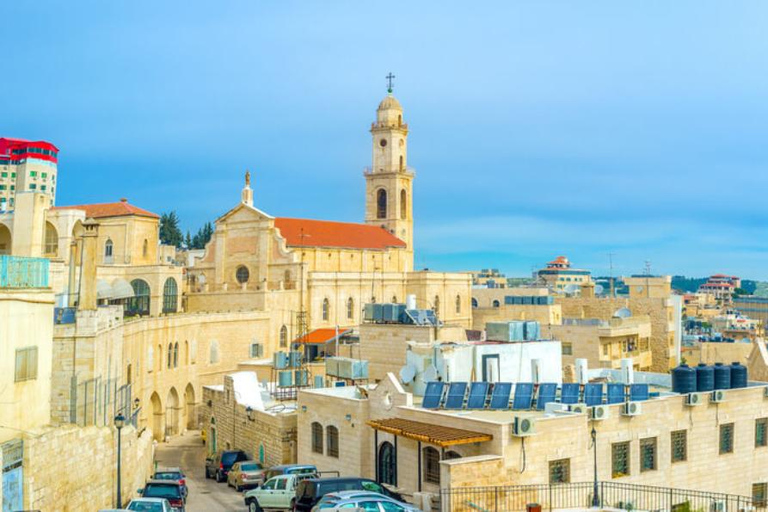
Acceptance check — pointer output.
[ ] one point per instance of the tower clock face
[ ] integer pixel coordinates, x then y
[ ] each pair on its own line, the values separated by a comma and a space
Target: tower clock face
383, 142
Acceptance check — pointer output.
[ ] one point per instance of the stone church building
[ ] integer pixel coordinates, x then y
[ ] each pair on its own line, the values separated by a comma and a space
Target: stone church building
312, 274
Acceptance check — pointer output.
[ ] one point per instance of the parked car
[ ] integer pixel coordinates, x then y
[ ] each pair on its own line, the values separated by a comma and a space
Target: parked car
277, 493
289, 469
245, 475
172, 474
168, 489
150, 505
366, 500
219, 465
310, 491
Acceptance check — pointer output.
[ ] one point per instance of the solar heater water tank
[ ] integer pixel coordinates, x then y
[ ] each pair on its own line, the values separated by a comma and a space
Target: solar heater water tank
285, 378
280, 360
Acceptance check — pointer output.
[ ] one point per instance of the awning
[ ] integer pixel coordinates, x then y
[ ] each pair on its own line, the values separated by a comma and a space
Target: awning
121, 289
322, 336
103, 290
429, 433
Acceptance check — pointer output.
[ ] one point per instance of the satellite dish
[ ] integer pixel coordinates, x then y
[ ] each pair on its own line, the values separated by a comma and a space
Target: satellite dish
572, 288
407, 374
430, 374
599, 289
622, 313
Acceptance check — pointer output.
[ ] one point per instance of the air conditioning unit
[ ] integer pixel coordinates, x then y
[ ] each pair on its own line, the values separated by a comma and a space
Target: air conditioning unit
599, 412
523, 426
718, 396
694, 399
578, 408
632, 409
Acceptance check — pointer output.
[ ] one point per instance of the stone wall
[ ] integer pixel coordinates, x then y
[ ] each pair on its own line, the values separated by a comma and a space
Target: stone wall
73, 469
384, 346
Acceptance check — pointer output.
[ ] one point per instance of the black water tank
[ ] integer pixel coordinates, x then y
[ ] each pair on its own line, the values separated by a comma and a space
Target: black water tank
722, 376
705, 378
738, 375
684, 379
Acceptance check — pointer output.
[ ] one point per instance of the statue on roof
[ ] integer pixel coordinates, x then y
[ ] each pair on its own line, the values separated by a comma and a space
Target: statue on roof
247, 178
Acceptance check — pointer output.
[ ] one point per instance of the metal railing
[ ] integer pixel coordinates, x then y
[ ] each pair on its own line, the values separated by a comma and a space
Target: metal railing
20, 272
580, 495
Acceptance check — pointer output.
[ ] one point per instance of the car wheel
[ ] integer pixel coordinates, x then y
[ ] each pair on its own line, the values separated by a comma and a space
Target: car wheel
253, 506
293, 505
219, 478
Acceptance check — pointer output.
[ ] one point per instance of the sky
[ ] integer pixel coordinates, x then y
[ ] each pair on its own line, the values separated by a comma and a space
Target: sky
537, 128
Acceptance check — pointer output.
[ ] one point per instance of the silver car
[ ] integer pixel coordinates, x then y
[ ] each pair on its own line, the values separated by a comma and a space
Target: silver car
150, 505
364, 500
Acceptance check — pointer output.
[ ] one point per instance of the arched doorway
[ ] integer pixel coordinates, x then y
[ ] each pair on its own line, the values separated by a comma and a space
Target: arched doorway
51, 241
139, 303
189, 407
387, 464
172, 411
170, 296
158, 423
5, 239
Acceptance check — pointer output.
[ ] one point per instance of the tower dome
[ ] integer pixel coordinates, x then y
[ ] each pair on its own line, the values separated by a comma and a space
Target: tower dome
390, 112
390, 103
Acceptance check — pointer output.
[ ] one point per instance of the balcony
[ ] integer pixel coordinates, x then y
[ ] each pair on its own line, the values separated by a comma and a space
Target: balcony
22, 273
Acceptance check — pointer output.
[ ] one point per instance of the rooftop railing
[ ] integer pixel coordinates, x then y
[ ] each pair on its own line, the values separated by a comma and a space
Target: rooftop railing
19, 272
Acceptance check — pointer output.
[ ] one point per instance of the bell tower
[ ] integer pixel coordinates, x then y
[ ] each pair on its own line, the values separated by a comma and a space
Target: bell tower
389, 180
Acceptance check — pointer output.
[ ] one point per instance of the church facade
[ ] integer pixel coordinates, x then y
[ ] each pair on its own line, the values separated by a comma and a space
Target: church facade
311, 274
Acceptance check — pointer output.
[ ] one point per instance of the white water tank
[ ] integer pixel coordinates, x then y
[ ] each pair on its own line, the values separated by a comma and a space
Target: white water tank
410, 302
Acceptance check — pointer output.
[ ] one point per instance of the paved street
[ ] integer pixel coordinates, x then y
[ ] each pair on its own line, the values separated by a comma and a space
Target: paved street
188, 452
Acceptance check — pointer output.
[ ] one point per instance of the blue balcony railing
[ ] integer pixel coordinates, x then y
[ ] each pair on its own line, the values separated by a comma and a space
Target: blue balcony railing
19, 272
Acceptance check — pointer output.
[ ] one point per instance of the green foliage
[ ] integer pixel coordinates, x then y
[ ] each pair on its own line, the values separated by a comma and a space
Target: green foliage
201, 238
170, 233
687, 284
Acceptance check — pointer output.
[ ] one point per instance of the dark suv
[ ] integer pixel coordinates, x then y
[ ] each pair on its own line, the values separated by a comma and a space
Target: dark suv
168, 489
219, 465
309, 492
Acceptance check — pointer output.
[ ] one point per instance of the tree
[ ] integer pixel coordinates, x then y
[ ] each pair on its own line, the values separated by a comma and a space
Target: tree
188, 241
170, 233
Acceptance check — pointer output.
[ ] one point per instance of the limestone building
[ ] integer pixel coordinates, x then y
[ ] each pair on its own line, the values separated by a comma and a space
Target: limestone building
26, 166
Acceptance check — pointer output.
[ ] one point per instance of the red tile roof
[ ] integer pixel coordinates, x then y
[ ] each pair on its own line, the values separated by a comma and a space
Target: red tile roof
321, 336
322, 233
101, 210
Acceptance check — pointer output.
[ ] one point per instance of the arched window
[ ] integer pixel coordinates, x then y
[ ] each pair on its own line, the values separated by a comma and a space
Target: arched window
333, 441
128, 372
108, 250
145, 248
287, 281
169, 361
401, 162
458, 304
242, 274
431, 465
159, 357
317, 438
403, 202
387, 464
186, 352
326, 310
213, 352
474, 302
139, 303
496, 304
261, 453
176, 355
436, 305
170, 296
283, 337
373, 300
350, 308
394, 299
381, 204
51, 240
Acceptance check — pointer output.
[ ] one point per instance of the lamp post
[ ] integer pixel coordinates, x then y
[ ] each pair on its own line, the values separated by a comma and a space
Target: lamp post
595, 497
119, 424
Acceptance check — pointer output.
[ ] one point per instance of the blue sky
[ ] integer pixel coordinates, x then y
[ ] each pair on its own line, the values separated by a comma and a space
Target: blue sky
538, 128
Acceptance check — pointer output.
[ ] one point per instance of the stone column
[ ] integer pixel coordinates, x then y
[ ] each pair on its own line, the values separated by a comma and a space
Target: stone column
72, 273
88, 289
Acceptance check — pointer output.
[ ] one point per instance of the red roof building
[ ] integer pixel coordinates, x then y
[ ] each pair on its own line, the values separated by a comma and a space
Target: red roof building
102, 210
322, 233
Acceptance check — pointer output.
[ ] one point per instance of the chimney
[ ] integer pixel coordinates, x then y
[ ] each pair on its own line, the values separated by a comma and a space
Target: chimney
88, 288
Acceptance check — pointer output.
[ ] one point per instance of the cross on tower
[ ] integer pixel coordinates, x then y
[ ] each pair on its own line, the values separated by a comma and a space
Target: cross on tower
389, 78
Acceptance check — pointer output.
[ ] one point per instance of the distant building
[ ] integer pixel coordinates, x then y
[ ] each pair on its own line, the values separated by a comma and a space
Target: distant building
561, 277
721, 286
752, 306
489, 278
26, 166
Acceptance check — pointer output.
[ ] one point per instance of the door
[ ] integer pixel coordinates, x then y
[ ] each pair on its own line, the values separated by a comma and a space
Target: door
266, 495
387, 464
13, 492
283, 491
491, 368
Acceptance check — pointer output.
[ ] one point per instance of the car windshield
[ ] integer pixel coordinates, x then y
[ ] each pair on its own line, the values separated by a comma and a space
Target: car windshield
145, 506
162, 491
169, 475
250, 467
229, 458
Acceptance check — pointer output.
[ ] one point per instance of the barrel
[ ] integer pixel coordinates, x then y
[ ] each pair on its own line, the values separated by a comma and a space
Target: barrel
722, 376
683, 379
705, 378
738, 375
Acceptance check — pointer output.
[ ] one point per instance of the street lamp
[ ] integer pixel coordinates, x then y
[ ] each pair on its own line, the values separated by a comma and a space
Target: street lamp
595, 497
119, 424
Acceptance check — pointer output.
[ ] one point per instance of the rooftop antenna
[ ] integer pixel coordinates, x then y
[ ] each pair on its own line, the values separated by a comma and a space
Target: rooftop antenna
647, 276
390, 86
610, 275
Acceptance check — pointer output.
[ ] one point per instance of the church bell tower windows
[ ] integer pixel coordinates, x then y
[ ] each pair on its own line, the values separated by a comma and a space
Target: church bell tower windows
381, 204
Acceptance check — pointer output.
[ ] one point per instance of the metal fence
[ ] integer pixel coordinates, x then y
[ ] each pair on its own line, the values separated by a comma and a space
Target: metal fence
21, 272
97, 402
580, 495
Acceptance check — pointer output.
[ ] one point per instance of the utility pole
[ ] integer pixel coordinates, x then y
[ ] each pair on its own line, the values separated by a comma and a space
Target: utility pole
610, 274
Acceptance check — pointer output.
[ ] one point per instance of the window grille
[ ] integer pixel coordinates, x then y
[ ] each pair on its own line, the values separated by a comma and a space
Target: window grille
759, 492
679, 445
761, 425
560, 471
26, 364
317, 438
283, 337
257, 350
648, 454
620, 459
431, 465
333, 441
726, 438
